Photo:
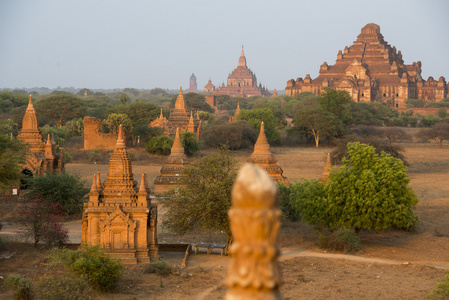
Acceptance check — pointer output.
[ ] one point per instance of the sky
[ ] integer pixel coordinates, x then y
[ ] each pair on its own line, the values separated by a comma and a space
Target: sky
147, 43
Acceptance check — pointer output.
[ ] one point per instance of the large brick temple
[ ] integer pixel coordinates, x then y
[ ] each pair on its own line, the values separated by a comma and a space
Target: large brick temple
119, 216
372, 70
242, 82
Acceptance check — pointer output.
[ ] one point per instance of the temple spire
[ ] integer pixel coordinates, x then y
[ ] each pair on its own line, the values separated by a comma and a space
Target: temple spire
93, 188
99, 186
262, 145
162, 115
143, 188
120, 139
177, 149
242, 59
327, 169
180, 101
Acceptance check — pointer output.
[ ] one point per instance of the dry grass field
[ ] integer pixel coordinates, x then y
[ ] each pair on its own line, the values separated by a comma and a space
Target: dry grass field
392, 265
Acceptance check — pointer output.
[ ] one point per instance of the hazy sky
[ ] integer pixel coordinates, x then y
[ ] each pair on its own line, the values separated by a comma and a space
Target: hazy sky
148, 43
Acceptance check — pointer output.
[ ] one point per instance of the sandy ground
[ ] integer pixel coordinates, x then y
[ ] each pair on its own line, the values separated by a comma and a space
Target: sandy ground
391, 265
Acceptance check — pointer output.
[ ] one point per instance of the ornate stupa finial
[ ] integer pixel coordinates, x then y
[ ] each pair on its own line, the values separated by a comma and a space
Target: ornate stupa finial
255, 222
162, 115
48, 139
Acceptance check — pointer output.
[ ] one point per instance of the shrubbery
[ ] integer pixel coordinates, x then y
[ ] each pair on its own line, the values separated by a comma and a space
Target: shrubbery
442, 289
236, 135
63, 287
160, 267
343, 240
22, 286
159, 145
190, 143
41, 220
99, 270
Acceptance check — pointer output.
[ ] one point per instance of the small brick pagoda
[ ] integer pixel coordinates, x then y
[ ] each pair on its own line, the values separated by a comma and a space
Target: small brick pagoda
179, 118
171, 171
119, 216
43, 156
327, 169
242, 82
371, 70
263, 157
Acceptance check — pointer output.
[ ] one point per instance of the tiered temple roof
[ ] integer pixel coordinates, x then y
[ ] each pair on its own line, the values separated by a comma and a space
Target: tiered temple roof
372, 70
171, 172
43, 156
263, 157
119, 216
241, 82
179, 118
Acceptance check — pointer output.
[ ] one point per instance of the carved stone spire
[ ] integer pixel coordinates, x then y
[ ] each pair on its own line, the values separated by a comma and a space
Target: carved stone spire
120, 139
161, 116
93, 194
30, 131
29, 121
255, 221
237, 111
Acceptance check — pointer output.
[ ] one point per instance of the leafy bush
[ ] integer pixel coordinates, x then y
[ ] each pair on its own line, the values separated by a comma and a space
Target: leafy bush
102, 272
65, 189
160, 267
288, 213
63, 287
190, 143
307, 199
22, 286
41, 220
159, 145
442, 289
343, 240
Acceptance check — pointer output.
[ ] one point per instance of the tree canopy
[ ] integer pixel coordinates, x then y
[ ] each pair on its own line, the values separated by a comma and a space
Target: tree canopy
205, 197
60, 108
12, 156
369, 191
254, 117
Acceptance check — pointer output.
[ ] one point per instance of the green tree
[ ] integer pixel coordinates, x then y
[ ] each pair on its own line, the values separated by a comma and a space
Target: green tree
236, 135
190, 143
205, 197
8, 126
61, 108
159, 145
370, 191
113, 122
438, 133
12, 156
138, 112
66, 190
336, 102
255, 117
318, 123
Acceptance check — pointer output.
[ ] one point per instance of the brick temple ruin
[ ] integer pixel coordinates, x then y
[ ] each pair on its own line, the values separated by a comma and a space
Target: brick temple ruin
42, 157
119, 216
372, 70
